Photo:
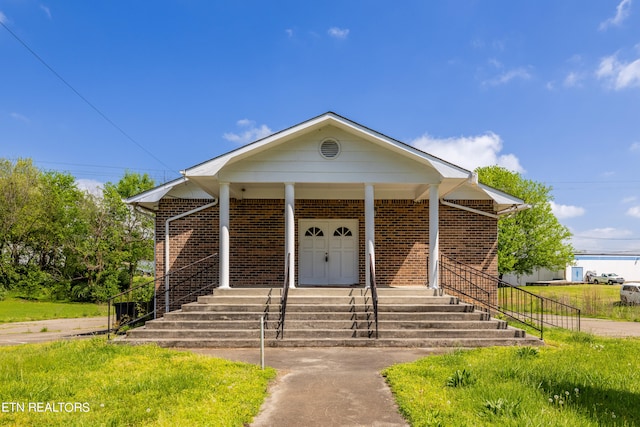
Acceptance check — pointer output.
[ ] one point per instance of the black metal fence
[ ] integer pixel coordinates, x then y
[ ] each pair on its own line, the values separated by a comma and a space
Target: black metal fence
139, 304
493, 295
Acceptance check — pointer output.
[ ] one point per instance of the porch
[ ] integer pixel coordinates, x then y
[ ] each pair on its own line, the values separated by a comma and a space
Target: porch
353, 316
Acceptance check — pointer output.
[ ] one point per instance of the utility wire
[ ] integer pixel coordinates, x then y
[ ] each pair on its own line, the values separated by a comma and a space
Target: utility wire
96, 109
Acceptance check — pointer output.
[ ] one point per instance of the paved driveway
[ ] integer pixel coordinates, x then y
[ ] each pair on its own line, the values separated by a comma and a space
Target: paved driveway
609, 328
49, 330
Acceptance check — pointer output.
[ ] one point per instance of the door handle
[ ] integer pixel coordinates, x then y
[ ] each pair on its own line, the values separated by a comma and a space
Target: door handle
326, 257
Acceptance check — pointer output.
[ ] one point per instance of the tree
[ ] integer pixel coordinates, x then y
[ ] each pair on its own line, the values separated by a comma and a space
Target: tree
38, 215
136, 230
59, 241
529, 239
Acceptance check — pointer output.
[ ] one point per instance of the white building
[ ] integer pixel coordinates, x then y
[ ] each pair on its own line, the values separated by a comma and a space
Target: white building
625, 265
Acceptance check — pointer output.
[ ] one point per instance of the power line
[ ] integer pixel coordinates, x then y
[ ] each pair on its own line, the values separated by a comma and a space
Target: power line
607, 238
86, 101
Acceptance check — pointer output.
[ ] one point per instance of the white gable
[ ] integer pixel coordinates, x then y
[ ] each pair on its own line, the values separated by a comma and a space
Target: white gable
301, 161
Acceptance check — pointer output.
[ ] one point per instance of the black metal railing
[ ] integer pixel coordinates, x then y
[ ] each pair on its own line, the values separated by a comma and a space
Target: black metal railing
374, 294
493, 295
283, 297
139, 304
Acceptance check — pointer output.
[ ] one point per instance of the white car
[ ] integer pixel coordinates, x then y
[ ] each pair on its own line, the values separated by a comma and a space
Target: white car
630, 293
609, 278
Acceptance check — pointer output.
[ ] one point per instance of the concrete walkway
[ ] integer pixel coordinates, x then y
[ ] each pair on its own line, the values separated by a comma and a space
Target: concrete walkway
320, 387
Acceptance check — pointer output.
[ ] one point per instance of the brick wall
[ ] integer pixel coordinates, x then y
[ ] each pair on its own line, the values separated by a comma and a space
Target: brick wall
257, 237
191, 239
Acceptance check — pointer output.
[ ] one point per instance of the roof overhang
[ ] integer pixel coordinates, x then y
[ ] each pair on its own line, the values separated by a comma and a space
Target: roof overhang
454, 183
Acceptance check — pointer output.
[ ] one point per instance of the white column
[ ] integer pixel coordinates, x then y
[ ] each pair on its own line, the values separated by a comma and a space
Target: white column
369, 230
224, 235
434, 236
290, 230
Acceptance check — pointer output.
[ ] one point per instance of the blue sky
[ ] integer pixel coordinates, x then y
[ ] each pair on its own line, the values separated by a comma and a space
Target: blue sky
548, 88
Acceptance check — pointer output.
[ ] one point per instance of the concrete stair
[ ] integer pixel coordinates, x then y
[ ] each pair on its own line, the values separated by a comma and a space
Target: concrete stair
328, 317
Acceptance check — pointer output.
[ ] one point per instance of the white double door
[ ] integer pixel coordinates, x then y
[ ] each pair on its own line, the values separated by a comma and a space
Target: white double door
328, 252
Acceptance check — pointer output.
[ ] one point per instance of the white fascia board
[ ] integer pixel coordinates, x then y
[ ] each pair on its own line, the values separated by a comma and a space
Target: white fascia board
444, 168
505, 203
213, 166
500, 197
155, 194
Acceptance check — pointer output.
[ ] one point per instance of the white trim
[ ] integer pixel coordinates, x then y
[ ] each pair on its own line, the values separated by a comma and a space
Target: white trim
468, 209
290, 231
369, 229
224, 236
434, 237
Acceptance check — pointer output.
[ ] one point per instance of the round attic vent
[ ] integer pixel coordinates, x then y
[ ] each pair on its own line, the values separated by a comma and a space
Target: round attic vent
329, 148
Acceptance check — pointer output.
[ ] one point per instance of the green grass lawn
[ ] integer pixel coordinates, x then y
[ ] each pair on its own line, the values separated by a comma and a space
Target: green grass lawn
93, 383
599, 301
21, 310
576, 380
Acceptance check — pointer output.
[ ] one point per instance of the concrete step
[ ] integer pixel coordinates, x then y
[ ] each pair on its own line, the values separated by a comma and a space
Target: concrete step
346, 342
327, 300
255, 308
408, 317
254, 324
294, 306
327, 315
315, 334
328, 291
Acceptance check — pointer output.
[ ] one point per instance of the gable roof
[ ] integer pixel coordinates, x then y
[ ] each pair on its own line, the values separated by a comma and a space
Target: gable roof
213, 166
455, 181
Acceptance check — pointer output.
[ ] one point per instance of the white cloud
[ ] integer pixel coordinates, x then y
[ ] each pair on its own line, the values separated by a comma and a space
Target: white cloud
635, 146
245, 123
619, 74
606, 233
469, 152
634, 211
46, 10
629, 199
504, 78
572, 80
289, 32
19, 117
566, 211
249, 133
622, 13
91, 186
495, 63
3, 18
601, 239
338, 33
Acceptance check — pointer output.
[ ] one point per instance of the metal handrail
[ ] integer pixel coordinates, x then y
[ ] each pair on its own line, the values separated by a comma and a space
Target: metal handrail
283, 297
513, 302
175, 303
374, 290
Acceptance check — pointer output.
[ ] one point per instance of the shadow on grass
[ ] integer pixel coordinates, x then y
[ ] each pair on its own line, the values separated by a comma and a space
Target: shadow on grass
604, 406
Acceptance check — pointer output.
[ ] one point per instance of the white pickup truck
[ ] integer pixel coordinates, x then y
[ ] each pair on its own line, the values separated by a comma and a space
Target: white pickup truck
610, 278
